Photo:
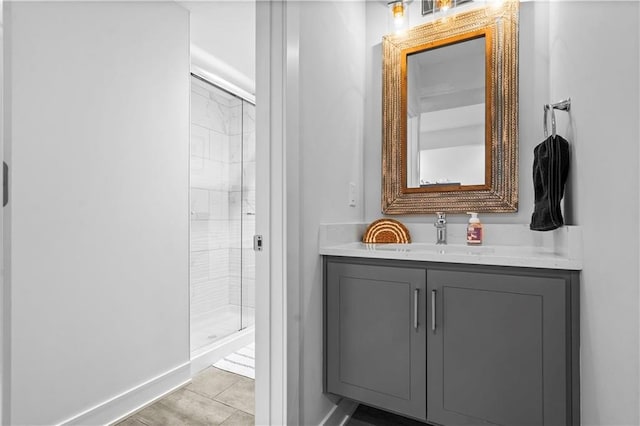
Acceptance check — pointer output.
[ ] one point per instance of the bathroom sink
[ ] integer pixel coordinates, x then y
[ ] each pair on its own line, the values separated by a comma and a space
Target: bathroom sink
431, 248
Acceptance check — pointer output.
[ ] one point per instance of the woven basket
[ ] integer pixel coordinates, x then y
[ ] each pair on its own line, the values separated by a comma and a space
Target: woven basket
386, 231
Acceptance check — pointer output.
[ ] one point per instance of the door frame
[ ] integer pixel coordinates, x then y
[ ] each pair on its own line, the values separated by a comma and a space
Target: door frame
4, 288
271, 218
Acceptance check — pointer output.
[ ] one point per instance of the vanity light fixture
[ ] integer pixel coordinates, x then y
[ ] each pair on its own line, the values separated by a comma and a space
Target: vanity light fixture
399, 15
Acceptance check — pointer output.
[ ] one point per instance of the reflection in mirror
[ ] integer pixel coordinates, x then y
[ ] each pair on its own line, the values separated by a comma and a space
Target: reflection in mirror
446, 114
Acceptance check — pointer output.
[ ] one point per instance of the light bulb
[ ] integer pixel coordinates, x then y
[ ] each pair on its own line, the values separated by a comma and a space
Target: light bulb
398, 10
398, 15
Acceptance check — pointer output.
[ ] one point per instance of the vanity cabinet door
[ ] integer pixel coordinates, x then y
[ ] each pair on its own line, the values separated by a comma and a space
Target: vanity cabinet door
498, 352
375, 325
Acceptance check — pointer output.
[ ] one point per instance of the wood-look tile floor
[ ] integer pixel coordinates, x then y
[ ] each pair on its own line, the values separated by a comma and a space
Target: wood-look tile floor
214, 397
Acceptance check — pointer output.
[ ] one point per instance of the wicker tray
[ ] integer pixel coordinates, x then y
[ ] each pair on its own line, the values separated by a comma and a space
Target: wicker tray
386, 231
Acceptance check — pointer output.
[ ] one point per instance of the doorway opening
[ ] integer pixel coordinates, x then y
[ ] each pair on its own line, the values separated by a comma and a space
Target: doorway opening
222, 223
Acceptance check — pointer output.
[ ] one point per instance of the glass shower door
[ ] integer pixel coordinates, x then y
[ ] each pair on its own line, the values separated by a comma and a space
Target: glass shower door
221, 216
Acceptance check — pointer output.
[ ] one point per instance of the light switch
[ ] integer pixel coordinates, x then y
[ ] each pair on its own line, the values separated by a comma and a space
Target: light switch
352, 194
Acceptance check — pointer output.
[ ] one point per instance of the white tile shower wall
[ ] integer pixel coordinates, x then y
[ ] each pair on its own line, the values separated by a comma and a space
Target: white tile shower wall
248, 277
235, 291
234, 249
235, 120
211, 110
219, 146
242, 295
235, 162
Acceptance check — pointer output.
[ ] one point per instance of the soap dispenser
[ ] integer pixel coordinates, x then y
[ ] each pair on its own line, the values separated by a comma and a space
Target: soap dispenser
474, 230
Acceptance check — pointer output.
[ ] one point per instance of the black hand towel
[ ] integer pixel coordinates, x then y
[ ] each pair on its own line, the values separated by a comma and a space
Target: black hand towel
550, 170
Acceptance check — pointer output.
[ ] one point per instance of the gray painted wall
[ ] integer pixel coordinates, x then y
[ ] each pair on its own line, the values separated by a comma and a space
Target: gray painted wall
594, 59
324, 155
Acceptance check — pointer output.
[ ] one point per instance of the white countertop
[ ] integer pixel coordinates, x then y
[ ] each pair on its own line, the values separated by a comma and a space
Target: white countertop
515, 245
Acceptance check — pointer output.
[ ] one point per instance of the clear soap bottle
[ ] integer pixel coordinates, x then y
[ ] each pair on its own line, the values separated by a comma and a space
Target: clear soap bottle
474, 230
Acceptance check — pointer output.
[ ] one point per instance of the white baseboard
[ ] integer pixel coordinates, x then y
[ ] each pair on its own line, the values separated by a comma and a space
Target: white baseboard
340, 414
130, 401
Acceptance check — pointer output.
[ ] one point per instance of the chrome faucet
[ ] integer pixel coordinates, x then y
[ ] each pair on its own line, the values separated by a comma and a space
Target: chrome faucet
441, 228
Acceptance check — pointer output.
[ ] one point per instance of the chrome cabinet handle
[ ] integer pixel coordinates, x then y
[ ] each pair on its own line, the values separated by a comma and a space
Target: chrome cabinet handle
433, 310
5, 184
416, 292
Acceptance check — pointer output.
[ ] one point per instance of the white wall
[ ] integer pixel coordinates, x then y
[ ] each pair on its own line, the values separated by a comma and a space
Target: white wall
588, 51
327, 145
223, 41
98, 105
594, 59
227, 30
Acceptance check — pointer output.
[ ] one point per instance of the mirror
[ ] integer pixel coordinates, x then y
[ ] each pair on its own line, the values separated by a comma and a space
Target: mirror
450, 119
446, 114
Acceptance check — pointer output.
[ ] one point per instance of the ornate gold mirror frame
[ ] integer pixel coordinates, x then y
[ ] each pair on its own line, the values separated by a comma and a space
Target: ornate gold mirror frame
500, 193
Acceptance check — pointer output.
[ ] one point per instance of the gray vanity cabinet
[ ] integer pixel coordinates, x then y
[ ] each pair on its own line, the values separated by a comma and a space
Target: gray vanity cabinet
453, 344
499, 347
375, 331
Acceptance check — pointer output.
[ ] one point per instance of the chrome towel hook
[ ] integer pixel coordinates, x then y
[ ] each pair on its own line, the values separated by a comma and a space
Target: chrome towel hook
563, 105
